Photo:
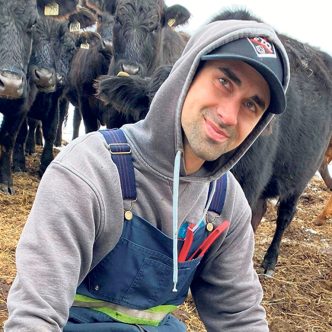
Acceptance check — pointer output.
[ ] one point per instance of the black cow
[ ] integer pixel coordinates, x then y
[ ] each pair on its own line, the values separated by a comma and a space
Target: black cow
282, 162
144, 43
87, 65
59, 45
17, 21
144, 38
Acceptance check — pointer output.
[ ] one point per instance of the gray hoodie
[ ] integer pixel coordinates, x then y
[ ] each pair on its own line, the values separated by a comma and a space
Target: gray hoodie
77, 216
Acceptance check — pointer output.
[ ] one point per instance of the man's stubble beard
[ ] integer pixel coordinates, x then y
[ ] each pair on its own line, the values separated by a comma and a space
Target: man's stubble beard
202, 146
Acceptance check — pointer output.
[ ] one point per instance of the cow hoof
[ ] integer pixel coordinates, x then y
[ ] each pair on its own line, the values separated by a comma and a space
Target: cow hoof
30, 152
19, 169
5, 189
320, 222
269, 273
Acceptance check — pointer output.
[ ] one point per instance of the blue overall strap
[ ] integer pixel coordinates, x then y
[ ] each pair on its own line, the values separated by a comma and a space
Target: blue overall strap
121, 156
219, 196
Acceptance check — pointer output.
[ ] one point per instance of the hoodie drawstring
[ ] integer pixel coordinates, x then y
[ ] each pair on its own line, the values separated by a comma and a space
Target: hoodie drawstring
176, 180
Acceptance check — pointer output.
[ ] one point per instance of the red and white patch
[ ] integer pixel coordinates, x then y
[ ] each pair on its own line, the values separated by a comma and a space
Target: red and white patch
262, 47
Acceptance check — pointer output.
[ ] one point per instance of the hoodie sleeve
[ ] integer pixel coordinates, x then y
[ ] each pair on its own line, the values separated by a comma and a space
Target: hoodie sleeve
62, 239
226, 289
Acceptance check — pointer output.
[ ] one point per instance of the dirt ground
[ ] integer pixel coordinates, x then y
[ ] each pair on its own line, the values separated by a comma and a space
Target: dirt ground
297, 298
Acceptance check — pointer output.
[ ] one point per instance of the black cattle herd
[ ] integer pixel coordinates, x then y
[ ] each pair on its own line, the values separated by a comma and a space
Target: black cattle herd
48, 58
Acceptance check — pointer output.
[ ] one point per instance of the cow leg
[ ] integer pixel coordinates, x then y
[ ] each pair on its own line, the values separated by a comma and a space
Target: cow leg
286, 211
8, 132
89, 115
258, 212
19, 148
323, 169
326, 213
50, 126
63, 111
76, 122
324, 172
39, 134
30, 146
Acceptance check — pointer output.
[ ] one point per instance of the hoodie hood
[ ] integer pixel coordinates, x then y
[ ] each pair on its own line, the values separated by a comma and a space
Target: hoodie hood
159, 136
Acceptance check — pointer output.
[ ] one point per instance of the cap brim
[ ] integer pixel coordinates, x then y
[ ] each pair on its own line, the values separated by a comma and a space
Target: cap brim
278, 98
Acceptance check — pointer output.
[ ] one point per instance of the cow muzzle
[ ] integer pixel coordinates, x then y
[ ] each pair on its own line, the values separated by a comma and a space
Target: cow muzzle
130, 69
45, 79
11, 85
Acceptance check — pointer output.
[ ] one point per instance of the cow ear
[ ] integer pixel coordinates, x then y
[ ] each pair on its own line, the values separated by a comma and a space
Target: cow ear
82, 19
58, 8
99, 6
87, 39
110, 6
176, 15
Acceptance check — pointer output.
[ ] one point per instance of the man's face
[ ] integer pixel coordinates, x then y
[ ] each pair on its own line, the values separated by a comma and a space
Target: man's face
225, 101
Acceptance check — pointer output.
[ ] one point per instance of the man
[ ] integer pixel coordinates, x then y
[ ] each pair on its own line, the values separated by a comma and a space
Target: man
100, 246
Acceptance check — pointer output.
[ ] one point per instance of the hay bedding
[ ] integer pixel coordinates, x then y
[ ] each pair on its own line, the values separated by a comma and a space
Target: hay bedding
297, 298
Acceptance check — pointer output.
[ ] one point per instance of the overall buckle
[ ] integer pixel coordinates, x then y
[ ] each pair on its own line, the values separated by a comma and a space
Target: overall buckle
120, 148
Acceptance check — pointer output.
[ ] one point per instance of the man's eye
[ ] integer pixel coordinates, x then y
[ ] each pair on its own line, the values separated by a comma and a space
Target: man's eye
251, 106
225, 82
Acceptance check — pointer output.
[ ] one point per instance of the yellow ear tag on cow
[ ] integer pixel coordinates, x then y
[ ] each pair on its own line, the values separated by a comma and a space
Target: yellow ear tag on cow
122, 74
171, 22
128, 215
86, 46
52, 9
75, 27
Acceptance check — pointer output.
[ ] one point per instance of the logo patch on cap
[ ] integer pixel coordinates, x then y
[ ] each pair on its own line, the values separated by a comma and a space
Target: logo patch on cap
262, 47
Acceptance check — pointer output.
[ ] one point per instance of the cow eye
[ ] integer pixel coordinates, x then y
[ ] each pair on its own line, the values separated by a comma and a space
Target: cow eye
117, 20
32, 25
152, 26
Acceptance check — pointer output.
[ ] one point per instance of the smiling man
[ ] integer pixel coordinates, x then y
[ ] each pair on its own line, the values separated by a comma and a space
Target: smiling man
227, 98
125, 221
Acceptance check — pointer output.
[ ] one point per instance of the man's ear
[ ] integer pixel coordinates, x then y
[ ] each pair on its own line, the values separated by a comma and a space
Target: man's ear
268, 129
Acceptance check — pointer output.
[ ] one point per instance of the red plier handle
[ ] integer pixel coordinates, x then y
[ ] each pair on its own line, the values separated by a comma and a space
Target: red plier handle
201, 250
188, 240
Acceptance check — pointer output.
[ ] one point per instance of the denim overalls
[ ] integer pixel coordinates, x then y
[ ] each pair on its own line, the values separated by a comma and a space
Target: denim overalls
131, 288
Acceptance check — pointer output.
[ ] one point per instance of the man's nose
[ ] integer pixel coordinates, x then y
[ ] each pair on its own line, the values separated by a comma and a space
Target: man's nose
228, 111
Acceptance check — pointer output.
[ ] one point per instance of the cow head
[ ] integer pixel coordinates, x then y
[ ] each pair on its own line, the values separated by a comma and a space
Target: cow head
17, 19
105, 23
54, 45
138, 34
43, 57
70, 44
104, 11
